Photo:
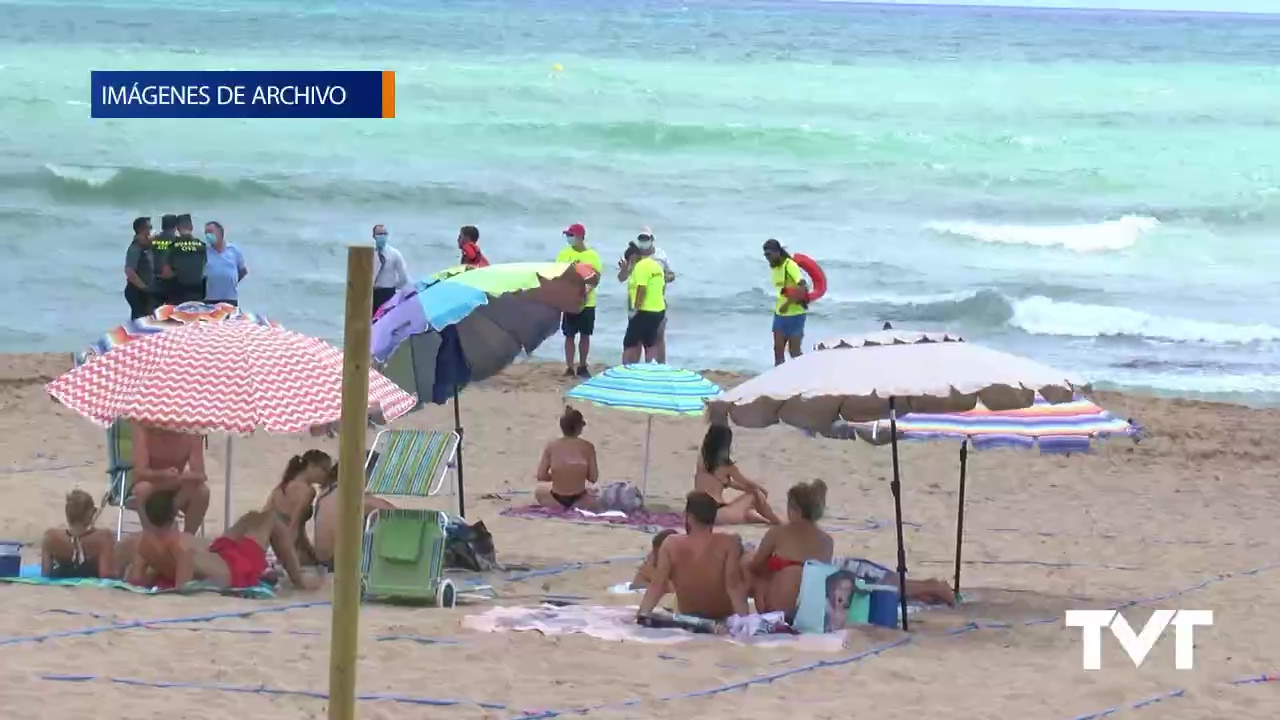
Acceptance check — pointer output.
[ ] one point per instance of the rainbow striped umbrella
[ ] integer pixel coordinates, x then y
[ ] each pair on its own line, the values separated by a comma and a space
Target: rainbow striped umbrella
168, 317
1054, 428
650, 388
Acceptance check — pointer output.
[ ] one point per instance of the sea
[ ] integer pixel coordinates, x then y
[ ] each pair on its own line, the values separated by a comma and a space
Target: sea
1099, 190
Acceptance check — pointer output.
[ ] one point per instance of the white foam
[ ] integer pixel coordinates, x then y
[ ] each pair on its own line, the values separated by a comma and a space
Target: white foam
1041, 316
93, 177
1096, 237
1182, 383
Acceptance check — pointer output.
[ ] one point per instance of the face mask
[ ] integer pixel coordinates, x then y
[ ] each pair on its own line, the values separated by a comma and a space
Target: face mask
210, 238
571, 239
380, 241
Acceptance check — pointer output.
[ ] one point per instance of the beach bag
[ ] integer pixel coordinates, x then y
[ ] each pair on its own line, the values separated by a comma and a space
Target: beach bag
621, 496
469, 547
832, 598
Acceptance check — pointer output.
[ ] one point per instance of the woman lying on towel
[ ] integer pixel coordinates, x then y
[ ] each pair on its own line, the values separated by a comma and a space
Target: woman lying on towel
78, 550
291, 501
327, 514
716, 472
568, 467
775, 569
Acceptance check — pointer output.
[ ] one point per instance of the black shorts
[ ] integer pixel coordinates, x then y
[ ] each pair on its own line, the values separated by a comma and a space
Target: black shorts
381, 296
583, 323
141, 304
642, 329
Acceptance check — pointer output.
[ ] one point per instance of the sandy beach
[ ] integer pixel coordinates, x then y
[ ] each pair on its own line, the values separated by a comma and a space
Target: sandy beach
1184, 519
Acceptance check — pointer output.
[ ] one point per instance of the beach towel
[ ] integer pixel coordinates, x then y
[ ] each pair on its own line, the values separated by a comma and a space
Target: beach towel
643, 519
257, 592
618, 624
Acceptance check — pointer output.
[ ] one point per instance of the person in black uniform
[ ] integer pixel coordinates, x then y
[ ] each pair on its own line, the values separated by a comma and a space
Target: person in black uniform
160, 246
186, 259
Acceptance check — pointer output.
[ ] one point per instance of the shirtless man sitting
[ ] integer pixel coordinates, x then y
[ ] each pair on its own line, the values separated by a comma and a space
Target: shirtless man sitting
172, 462
702, 566
166, 558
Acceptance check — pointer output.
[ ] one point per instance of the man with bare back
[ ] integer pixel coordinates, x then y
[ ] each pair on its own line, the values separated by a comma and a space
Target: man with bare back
704, 567
167, 558
173, 462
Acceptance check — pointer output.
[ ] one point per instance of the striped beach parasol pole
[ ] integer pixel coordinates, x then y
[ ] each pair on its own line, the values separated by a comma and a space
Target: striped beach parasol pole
650, 388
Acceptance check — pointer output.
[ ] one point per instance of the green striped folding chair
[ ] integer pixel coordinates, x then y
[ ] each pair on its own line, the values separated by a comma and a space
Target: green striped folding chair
404, 557
410, 462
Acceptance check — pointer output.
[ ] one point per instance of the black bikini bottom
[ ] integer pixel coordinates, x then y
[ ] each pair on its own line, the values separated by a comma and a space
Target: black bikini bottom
567, 501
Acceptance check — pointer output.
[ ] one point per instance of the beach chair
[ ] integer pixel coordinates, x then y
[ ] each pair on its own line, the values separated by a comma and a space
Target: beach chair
404, 558
119, 471
410, 462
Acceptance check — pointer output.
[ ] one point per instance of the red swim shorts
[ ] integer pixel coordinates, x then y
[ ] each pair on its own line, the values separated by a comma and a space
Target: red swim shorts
245, 559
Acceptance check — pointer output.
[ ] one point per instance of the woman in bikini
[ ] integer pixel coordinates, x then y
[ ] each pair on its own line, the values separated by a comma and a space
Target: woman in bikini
78, 550
777, 566
292, 500
568, 466
716, 472
327, 513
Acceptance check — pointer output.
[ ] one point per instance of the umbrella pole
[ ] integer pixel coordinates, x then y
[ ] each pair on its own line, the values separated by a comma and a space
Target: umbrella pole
457, 427
648, 433
226, 489
896, 488
964, 464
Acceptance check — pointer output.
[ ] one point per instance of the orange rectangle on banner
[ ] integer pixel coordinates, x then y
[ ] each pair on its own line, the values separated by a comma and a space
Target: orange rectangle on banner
388, 93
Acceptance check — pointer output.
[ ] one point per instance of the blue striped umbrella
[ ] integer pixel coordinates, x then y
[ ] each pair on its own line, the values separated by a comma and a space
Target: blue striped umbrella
650, 388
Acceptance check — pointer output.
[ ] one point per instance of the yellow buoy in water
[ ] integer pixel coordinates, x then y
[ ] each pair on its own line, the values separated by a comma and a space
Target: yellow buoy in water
557, 68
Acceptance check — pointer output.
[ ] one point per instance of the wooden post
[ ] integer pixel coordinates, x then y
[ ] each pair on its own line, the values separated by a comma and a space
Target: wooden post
350, 545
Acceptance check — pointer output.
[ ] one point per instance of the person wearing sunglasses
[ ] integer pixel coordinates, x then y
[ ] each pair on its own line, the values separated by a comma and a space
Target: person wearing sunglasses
647, 240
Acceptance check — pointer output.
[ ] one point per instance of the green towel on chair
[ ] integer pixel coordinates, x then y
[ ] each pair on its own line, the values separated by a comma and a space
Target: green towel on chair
400, 538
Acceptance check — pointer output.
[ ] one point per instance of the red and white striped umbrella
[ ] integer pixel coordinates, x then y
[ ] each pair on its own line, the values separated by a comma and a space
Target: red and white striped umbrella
233, 376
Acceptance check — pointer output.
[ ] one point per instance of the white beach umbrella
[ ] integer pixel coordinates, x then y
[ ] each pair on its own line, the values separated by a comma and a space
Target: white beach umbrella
862, 378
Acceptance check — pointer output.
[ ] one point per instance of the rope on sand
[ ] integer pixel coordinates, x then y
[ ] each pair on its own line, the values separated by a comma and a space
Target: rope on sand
264, 690
132, 624
22, 639
1180, 693
1147, 702
548, 714
1035, 563
971, 627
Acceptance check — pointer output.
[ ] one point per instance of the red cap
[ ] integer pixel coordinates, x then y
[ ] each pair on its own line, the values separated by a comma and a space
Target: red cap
575, 230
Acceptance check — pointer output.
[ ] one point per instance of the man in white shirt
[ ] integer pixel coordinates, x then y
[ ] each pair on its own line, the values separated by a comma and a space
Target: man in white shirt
389, 271
624, 269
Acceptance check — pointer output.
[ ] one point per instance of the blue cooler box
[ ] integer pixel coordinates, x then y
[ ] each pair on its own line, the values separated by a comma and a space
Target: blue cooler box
10, 558
884, 605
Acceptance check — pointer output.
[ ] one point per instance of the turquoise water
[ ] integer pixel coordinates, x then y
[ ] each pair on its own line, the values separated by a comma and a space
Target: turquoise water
1097, 190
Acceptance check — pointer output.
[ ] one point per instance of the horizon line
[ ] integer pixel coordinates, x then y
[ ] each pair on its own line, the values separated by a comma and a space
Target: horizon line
1009, 5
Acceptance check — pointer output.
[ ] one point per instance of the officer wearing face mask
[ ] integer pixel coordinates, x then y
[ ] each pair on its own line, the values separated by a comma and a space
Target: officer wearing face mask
389, 271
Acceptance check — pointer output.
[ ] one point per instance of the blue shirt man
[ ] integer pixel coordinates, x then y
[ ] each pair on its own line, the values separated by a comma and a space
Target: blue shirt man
225, 267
